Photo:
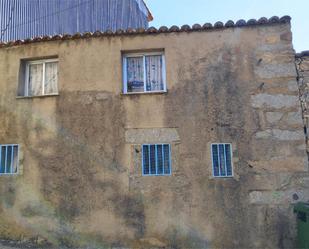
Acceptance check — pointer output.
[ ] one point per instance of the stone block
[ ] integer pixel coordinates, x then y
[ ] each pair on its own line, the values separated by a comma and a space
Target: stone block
286, 36
280, 164
283, 135
273, 117
304, 65
272, 39
274, 100
277, 47
292, 85
278, 197
269, 71
294, 118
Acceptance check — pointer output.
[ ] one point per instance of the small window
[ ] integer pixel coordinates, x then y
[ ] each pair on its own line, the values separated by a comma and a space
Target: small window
222, 160
144, 73
156, 159
8, 159
40, 78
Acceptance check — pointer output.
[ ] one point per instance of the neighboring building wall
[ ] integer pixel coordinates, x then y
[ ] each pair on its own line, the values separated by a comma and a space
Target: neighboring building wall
20, 19
81, 181
302, 65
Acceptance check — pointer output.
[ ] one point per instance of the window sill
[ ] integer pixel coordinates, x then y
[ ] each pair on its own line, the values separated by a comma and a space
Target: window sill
9, 174
221, 177
37, 96
144, 93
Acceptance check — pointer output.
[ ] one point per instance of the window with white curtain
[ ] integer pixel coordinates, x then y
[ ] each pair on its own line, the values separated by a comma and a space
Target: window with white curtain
144, 72
41, 78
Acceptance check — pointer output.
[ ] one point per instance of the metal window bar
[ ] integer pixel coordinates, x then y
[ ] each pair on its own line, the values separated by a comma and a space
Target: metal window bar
145, 76
5, 159
225, 162
221, 160
229, 159
9, 159
161, 163
149, 168
0, 159
156, 152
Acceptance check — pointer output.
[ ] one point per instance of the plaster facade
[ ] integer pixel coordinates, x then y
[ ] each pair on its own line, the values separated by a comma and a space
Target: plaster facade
80, 182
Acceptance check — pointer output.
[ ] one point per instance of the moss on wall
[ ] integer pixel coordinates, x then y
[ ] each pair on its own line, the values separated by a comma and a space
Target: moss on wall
81, 183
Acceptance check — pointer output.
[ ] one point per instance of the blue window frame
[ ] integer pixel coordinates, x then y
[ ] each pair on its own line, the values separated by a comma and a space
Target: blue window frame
9, 159
156, 159
222, 160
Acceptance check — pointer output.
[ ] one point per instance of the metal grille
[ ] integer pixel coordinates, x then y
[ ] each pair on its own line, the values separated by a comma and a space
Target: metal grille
156, 159
8, 159
222, 160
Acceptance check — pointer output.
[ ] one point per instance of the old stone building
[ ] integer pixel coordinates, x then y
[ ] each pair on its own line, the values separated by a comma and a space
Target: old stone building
186, 137
302, 66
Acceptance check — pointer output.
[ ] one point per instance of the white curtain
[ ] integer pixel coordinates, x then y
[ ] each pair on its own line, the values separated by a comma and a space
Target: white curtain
51, 78
154, 75
135, 74
35, 79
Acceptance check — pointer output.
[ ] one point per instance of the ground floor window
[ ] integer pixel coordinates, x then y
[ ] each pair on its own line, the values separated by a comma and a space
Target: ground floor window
156, 159
222, 160
9, 159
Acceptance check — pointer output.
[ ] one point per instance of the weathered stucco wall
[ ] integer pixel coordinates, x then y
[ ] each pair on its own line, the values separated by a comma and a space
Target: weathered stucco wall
81, 181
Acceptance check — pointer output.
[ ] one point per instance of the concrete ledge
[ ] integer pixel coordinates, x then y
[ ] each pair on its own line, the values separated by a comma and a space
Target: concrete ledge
283, 135
282, 164
278, 197
152, 135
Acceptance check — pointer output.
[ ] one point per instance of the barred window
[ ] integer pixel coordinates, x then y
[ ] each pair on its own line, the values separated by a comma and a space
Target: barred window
8, 159
156, 159
222, 160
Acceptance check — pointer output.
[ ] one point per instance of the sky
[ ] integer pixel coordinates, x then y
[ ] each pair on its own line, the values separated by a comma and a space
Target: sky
179, 12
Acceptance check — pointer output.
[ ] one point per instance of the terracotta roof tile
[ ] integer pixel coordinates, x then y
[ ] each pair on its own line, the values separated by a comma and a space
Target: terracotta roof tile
207, 26
302, 54
185, 27
219, 25
153, 30
229, 23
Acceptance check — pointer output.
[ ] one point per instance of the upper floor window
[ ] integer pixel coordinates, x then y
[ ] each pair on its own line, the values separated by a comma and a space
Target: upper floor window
144, 72
222, 160
40, 78
156, 159
8, 159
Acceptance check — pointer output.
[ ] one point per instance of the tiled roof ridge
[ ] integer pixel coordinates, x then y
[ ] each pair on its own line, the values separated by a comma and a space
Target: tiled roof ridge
302, 54
153, 30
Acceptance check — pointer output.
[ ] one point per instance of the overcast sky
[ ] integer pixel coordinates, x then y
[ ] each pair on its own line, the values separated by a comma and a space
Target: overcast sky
179, 12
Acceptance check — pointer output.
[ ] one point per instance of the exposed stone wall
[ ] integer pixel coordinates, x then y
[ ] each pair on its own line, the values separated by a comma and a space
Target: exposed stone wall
82, 184
302, 65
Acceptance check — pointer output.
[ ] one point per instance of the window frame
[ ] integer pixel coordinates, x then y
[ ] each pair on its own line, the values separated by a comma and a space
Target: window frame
212, 160
142, 54
17, 166
27, 74
170, 160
